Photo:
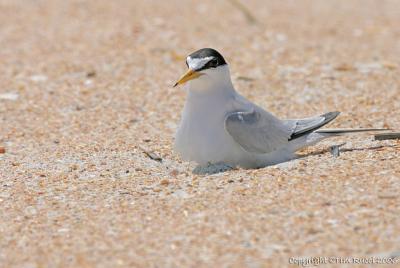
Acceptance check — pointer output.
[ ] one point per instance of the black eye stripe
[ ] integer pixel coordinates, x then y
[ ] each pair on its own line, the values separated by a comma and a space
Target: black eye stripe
213, 63
210, 64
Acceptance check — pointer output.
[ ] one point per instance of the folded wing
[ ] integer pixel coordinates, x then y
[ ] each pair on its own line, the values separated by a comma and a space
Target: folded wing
257, 131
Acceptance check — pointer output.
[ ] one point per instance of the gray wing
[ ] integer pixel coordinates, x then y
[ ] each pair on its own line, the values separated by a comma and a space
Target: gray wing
257, 131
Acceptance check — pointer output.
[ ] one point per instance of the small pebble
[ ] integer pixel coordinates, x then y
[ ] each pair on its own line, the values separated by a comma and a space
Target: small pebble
91, 74
174, 173
9, 96
164, 182
38, 78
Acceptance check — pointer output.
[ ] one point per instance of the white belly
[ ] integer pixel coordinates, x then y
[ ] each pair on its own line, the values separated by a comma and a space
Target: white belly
206, 141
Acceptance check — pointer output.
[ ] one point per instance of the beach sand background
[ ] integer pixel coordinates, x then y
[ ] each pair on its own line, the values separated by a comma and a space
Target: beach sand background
88, 176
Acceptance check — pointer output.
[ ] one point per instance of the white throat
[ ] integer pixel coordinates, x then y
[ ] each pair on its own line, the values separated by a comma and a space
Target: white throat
214, 81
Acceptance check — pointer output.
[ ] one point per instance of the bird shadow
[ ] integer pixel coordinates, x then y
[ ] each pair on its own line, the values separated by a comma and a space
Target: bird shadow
211, 169
331, 150
335, 150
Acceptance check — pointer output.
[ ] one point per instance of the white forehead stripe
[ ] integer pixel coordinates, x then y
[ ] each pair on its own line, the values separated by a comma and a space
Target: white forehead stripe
197, 63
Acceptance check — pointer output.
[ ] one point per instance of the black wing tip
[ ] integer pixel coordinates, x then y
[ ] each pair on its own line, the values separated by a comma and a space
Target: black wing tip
328, 117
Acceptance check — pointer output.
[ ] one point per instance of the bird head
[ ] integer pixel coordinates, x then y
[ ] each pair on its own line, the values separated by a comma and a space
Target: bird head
205, 65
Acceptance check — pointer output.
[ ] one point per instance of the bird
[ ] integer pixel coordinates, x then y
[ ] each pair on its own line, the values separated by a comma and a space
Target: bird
220, 126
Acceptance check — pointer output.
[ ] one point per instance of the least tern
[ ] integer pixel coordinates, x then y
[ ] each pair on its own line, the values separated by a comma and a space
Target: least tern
219, 126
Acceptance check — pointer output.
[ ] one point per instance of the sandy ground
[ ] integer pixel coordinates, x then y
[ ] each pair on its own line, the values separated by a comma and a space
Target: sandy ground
85, 89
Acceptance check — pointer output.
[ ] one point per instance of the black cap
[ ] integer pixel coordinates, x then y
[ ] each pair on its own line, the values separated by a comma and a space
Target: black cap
215, 60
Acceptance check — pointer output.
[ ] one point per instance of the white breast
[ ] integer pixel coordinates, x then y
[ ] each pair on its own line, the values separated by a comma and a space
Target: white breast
201, 136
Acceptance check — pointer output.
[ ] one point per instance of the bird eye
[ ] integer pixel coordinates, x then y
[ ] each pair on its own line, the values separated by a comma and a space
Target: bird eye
213, 63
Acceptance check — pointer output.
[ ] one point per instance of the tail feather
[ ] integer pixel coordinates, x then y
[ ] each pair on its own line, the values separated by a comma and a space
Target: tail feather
339, 131
306, 126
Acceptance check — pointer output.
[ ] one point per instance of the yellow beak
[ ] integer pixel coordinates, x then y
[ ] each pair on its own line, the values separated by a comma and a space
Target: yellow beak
189, 75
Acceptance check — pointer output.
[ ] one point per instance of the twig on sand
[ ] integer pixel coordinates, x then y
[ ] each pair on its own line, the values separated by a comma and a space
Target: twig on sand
151, 154
387, 136
245, 11
327, 150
